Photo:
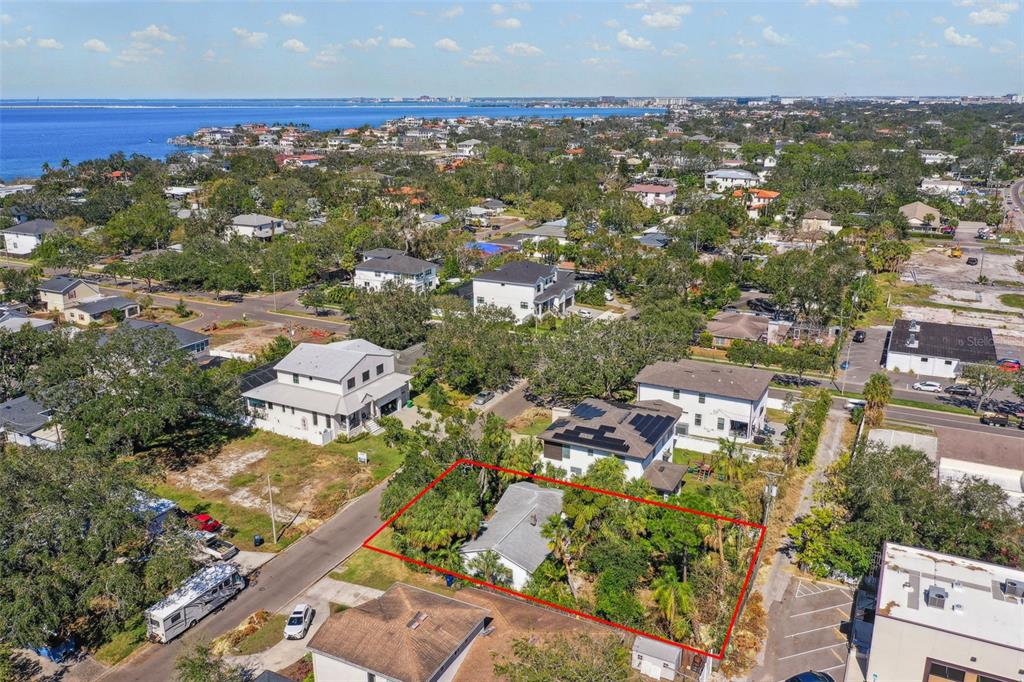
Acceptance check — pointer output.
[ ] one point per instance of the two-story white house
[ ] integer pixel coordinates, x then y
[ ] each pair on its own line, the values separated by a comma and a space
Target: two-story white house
325, 391
729, 178
656, 196
637, 434
526, 289
23, 238
715, 400
256, 226
381, 266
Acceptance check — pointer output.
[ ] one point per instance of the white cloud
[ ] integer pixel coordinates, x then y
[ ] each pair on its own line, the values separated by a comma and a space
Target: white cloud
661, 20
95, 45
837, 54
675, 51
49, 44
326, 57
989, 16
209, 56
631, 42
523, 50
612, 23
843, 4
959, 39
745, 42
447, 44
1003, 47
497, 8
366, 44
680, 9
400, 43
453, 11
137, 53
289, 19
14, 44
757, 19
249, 38
599, 47
940, 20
5, 19
522, 6
154, 32
482, 55
772, 36
510, 22
295, 45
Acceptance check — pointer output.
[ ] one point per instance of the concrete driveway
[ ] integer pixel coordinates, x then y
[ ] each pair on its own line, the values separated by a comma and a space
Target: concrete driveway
806, 631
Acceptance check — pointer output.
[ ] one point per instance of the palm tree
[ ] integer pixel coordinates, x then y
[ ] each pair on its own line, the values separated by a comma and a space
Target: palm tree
675, 602
558, 542
488, 567
877, 393
730, 456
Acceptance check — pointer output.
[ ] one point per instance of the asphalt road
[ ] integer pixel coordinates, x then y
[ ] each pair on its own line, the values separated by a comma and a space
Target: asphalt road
279, 582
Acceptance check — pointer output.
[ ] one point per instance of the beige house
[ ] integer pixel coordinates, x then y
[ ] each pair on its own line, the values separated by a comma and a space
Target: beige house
63, 292
921, 215
818, 221
727, 327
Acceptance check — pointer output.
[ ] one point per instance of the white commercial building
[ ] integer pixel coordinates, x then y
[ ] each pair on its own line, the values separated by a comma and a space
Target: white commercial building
943, 617
526, 289
937, 350
717, 401
381, 266
637, 434
325, 391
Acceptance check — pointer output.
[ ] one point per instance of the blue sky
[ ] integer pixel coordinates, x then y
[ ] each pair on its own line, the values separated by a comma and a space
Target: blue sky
199, 48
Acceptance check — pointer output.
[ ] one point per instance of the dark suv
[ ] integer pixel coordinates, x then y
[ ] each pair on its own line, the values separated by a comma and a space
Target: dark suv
860, 336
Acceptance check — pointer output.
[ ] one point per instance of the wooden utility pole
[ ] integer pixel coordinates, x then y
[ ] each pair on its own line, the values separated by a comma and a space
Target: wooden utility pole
273, 520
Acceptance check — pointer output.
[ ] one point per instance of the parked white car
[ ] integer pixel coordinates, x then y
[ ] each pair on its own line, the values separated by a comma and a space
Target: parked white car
298, 622
928, 386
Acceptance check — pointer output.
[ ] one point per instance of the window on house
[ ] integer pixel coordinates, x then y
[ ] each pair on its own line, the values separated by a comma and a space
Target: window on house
351, 382
480, 300
565, 451
701, 398
366, 375
314, 419
675, 394
721, 424
295, 378
380, 369
524, 305
282, 408
590, 451
946, 672
697, 419
949, 362
575, 471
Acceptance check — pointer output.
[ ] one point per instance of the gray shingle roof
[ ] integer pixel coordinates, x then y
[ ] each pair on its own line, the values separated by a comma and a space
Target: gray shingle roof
517, 272
514, 529
61, 284
399, 264
22, 415
730, 381
332, 361
105, 304
254, 220
33, 227
185, 337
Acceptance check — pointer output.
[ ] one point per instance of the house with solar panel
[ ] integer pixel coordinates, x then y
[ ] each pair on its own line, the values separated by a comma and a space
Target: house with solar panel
636, 434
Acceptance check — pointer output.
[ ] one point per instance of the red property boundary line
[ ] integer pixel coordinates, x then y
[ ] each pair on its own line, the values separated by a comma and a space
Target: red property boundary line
735, 613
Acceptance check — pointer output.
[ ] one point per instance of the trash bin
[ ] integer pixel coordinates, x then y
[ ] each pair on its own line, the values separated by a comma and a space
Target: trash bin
449, 580
257, 540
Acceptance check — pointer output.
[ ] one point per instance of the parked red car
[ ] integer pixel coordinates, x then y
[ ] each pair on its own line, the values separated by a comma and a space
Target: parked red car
205, 522
1009, 365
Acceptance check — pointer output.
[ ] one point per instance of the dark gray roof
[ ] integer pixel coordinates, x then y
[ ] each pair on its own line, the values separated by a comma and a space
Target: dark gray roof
493, 204
61, 284
105, 305
517, 272
655, 240
566, 280
185, 337
514, 529
22, 415
664, 476
707, 377
631, 430
33, 227
381, 253
954, 341
398, 263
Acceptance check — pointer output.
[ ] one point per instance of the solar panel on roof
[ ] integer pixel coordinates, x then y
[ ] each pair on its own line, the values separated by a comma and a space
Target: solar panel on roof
650, 426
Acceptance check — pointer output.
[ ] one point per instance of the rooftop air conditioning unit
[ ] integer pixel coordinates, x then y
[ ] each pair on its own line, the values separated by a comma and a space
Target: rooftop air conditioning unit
912, 341
1014, 588
935, 597
914, 326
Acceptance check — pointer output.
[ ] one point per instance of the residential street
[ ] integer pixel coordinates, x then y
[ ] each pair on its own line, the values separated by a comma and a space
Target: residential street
279, 582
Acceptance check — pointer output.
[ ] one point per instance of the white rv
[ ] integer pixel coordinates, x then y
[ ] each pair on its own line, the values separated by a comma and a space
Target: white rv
197, 596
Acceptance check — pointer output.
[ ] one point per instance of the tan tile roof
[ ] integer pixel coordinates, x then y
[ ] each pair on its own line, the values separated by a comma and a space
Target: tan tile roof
405, 634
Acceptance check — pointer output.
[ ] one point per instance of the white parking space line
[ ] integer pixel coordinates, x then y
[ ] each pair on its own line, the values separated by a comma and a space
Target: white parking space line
811, 651
827, 608
824, 627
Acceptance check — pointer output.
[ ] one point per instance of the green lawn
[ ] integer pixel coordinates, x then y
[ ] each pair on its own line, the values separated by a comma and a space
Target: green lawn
269, 634
121, 645
1013, 300
379, 571
776, 415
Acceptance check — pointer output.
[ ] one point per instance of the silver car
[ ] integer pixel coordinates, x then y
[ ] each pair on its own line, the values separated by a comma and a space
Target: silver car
298, 622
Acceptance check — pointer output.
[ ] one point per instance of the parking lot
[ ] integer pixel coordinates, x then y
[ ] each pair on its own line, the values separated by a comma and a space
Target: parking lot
807, 631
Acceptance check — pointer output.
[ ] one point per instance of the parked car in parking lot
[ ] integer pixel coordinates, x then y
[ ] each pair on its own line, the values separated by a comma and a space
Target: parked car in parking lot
298, 622
483, 397
811, 676
928, 386
1009, 364
860, 336
962, 390
972, 261
995, 419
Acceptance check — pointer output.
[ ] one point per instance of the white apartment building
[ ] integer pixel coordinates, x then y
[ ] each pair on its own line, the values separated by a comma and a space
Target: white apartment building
324, 391
715, 400
637, 434
935, 349
381, 266
256, 226
526, 289
729, 178
943, 617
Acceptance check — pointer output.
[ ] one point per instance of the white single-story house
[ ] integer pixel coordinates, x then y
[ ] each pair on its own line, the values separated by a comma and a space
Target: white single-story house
526, 289
637, 434
381, 266
715, 400
325, 391
256, 226
23, 238
937, 350
513, 531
